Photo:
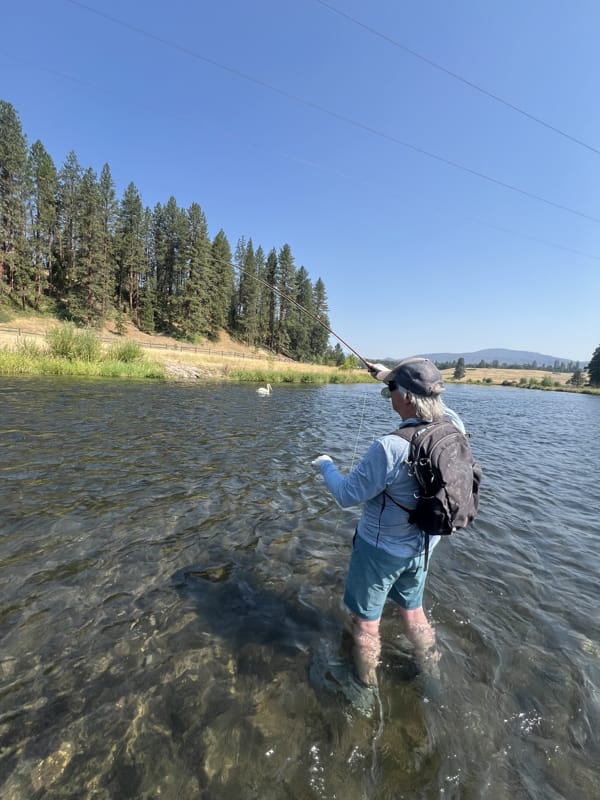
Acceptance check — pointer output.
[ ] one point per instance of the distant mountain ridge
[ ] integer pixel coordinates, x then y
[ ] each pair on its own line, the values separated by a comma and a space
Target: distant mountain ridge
501, 355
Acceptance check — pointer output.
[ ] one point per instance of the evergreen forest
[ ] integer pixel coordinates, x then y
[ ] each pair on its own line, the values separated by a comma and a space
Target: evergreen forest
68, 242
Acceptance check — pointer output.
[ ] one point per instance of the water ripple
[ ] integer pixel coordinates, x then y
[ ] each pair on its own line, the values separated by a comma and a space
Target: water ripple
170, 568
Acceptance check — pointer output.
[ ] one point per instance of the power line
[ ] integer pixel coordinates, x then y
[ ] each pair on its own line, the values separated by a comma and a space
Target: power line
458, 77
335, 114
509, 231
535, 239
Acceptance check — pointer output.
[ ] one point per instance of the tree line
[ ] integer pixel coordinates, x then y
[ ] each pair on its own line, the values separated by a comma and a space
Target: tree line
577, 378
65, 236
558, 366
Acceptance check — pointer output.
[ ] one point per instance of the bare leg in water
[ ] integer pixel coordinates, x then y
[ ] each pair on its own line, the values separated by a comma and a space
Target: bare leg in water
422, 635
361, 643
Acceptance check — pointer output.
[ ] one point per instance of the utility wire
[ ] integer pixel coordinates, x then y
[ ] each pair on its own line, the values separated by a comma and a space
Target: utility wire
515, 233
336, 115
535, 239
457, 77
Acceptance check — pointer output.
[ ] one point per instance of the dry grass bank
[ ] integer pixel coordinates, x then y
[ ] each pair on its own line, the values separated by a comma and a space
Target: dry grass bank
230, 359
225, 358
39, 325
477, 374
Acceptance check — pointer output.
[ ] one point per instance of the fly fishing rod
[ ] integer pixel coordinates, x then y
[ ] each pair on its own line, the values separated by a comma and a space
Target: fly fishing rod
285, 296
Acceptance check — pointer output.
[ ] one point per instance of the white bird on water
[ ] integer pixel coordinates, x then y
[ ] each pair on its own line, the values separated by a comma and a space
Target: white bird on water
264, 391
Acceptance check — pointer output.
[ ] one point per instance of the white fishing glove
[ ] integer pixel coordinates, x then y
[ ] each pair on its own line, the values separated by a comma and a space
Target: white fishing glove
321, 460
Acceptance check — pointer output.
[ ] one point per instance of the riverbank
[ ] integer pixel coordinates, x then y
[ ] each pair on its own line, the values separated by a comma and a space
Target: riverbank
24, 351
545, 380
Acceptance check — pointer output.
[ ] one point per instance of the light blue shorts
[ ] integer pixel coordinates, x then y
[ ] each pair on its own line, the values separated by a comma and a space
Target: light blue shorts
375, 575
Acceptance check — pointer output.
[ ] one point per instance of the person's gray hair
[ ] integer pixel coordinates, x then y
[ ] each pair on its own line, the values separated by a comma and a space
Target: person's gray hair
428, 408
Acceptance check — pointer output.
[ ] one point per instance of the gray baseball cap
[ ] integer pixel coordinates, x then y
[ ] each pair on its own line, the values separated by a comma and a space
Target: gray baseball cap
417, 375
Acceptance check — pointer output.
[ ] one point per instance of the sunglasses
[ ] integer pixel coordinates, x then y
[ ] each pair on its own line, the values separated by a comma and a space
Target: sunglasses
393, 387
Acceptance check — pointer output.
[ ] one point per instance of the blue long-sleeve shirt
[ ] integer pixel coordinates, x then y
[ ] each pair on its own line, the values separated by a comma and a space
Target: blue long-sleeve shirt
383, 468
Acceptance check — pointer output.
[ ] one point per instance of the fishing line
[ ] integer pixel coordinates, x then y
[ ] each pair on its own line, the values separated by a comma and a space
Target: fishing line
362, 416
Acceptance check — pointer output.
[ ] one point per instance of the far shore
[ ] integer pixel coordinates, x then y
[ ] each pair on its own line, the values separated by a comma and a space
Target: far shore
23, 352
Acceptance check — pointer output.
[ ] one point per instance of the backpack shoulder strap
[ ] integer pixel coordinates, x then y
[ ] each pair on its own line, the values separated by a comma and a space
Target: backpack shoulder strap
408, 431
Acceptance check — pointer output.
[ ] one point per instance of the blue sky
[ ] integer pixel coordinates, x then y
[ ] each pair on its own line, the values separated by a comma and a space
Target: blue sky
285, 122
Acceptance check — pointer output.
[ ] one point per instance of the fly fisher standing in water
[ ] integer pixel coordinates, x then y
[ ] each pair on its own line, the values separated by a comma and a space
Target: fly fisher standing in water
390, 555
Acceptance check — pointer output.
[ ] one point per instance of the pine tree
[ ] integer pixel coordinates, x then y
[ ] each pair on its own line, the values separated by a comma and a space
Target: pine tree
194, 301
106, 267
594, 368
238, 259
286, 280
69, 188
300, 324
338, 355
459, 370
220, 285
246, 319
156, 254
576, 378
147, 279
44, 218
262, 299
130, 250
170, 225
15, 259
271, 299
319, 336
147, 306
88, 286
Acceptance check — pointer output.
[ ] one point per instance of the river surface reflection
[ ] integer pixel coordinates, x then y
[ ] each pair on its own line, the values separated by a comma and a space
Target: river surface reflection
171, 570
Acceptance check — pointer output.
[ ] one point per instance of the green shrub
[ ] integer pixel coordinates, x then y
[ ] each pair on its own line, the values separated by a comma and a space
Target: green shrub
121, 369
14, 363
61, 341
88, 346
126, 352
74, 345
29, 348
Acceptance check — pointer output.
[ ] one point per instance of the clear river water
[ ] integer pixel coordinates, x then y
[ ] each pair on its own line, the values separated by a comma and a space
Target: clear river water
171, 571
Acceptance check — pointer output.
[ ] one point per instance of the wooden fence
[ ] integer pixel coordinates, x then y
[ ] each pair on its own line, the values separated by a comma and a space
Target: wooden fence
169, 346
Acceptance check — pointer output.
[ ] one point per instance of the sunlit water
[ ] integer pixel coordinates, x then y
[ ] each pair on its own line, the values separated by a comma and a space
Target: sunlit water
171, 571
